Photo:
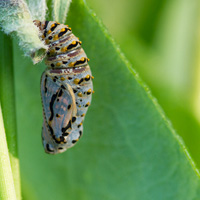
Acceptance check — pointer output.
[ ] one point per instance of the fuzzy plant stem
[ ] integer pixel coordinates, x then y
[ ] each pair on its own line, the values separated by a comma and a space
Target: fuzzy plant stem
37, 9
15, 19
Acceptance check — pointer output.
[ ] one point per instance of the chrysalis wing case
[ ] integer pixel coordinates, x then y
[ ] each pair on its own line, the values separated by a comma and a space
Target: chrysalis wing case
66, 87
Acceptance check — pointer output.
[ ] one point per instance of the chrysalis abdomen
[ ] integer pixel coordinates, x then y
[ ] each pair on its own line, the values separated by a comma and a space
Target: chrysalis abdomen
66, 87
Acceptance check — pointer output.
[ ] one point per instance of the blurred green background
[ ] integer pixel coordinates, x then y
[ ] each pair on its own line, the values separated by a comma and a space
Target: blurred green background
161, 38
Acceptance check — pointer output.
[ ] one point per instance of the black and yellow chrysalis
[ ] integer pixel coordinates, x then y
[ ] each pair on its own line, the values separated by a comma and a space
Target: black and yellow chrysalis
66, 87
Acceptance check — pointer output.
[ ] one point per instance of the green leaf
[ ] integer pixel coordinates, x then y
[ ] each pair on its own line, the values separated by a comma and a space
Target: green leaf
129, 149
169, 64
9, 147
60, 10
170, 67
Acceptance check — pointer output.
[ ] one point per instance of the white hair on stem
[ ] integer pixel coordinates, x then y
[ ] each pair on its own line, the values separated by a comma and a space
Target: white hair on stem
15, 18
38, 9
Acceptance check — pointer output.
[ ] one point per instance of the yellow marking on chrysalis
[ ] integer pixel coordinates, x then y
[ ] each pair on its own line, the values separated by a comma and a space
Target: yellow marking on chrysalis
93, 91
87, 77
64, 49
92, 77
58, 139
76, 80
87, 104
62, 78
78, 38
58, 64
48, 32
82, 59
79, 106
70, 28
80, 94
52, 51
62, 30
55, 37
47, 41
71, 64
43, 36
89, 91
80, 42
74, 42
52, 25
88, 59
80, 124
83, 115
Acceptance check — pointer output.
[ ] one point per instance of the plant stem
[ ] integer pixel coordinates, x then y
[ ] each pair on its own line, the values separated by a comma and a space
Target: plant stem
7, 98
7, 188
